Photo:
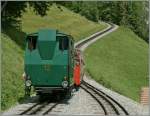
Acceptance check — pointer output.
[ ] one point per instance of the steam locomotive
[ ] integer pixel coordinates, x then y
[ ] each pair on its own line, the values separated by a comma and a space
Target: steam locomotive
51, 62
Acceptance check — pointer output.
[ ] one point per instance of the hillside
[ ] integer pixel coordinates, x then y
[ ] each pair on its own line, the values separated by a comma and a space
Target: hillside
61, 19
12, 68
13, 44
119, 61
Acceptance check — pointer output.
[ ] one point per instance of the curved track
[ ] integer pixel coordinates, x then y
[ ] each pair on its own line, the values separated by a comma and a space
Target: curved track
106, 103
94, 36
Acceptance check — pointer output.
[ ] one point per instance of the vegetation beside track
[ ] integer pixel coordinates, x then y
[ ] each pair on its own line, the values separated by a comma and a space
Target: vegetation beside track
13, 44
119, 61
12, 68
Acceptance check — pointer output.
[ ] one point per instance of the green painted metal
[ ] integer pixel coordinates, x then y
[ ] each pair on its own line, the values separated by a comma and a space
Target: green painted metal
46, 43
46, 64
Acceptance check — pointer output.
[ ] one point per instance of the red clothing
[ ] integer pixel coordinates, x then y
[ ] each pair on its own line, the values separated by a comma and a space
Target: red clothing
77, 75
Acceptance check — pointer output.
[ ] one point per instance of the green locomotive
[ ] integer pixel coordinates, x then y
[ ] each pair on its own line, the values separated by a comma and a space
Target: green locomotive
49, 61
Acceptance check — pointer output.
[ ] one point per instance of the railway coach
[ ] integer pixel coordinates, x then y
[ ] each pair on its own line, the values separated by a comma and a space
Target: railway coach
49, 62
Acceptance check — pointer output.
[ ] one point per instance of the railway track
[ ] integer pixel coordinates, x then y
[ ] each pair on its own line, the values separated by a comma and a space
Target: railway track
42, 108
107, 103
94, 36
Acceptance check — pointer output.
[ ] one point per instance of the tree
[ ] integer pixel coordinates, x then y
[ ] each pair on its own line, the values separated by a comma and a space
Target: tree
133, 14
14, 9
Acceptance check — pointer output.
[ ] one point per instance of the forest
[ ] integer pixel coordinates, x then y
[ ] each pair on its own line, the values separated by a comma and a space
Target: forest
132, 14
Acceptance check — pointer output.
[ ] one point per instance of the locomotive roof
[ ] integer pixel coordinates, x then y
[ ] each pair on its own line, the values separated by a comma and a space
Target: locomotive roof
47, 34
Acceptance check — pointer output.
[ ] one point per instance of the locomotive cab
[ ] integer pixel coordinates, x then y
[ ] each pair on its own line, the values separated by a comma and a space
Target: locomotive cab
48, 61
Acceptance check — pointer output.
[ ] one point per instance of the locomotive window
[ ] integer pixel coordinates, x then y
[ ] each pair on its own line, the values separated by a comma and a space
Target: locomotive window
63, 43
32, 42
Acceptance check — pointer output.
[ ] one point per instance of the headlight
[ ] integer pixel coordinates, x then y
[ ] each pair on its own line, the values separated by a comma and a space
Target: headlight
28, 83
65, 84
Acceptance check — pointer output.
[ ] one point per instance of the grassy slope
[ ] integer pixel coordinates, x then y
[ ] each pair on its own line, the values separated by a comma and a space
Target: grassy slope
119, 61
12, 68
65, 20
13, 46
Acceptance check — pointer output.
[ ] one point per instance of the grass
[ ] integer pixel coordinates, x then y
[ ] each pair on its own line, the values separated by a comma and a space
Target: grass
12, 68
119, 61
61, 19
13, 45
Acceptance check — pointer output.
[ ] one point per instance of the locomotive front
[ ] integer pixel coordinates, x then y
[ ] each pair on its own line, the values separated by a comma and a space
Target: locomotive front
48, 61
